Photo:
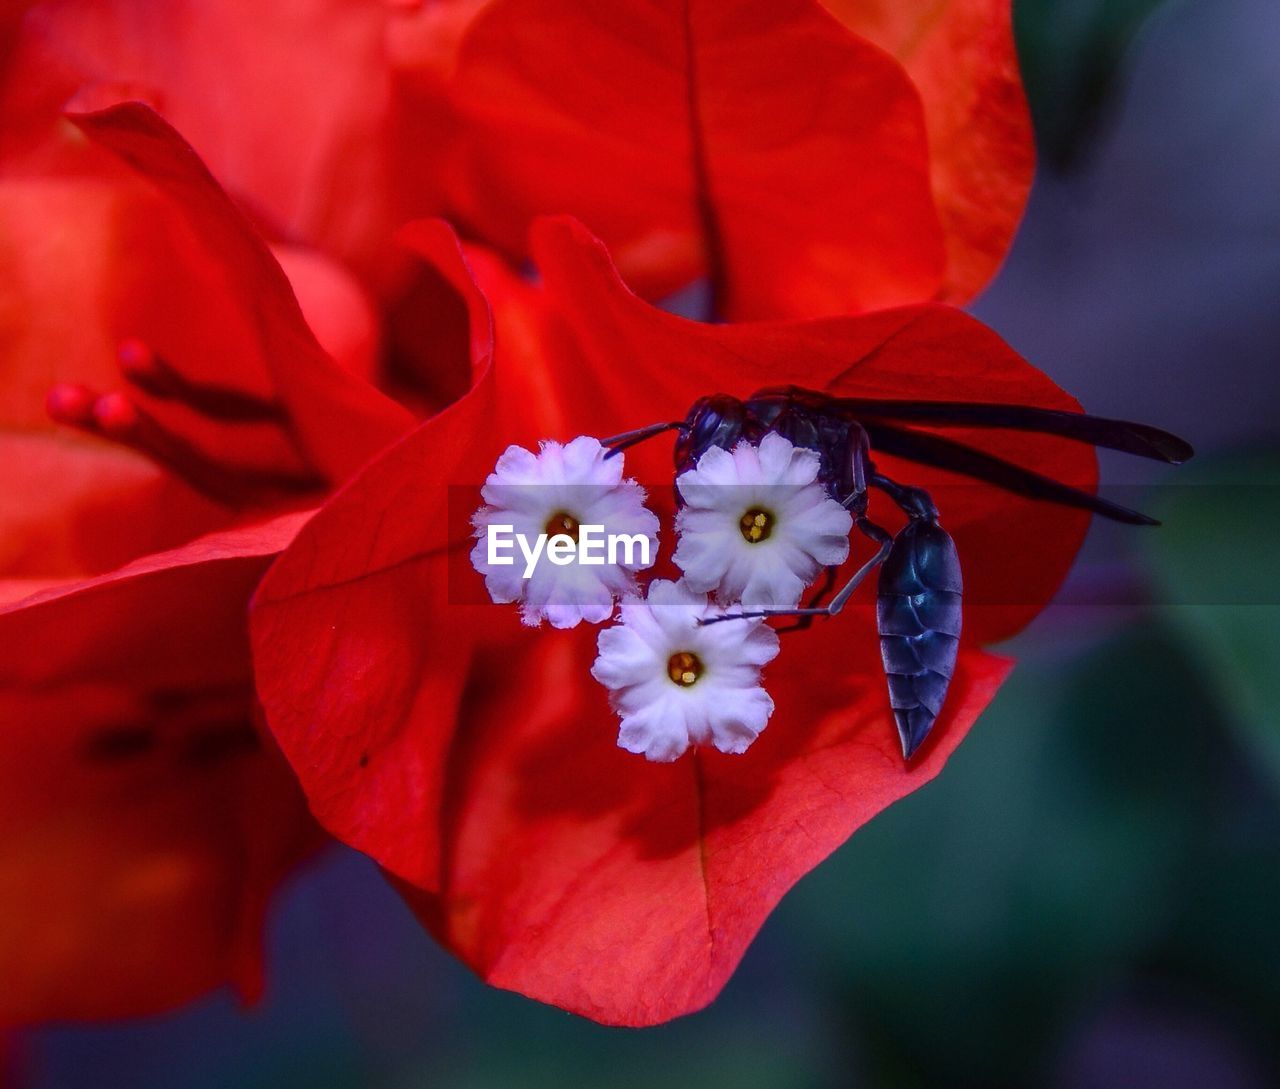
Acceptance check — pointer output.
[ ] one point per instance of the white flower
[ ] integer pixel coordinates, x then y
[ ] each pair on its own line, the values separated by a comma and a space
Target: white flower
675, 683
557, 491
757, 526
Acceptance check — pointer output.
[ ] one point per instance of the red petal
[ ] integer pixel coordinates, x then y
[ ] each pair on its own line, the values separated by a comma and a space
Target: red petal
143, 825
960, 55
628, 892
336, 310
288, 103
95, 256
317, 393
364, 723
475, 760
89, 258
758, 142
11, 13
424, 39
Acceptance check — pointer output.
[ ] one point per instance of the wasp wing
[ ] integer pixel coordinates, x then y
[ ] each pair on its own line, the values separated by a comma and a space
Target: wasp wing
1130, 438
926, 448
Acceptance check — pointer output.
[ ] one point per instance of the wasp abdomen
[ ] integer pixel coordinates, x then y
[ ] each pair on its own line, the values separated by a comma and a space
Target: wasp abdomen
918, 616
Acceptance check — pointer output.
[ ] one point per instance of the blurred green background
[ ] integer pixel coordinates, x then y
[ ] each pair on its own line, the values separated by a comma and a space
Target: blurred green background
1089, 896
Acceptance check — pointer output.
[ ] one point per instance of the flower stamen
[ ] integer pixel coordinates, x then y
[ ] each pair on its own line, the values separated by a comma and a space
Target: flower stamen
147, 426
684, 668
756, 525
562, 522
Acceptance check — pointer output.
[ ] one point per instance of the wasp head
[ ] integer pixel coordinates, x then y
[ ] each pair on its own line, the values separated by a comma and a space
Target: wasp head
718, 420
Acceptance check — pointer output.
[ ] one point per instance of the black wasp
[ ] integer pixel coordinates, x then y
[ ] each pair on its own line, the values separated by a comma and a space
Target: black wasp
918, 598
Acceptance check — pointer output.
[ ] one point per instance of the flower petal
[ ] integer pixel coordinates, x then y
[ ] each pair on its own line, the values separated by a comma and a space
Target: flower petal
960, 56
757, 142
313, 387
290, 104
143, 823
640, 885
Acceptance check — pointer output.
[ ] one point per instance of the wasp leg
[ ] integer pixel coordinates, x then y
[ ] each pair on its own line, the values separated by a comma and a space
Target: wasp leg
918, 614
828, 584
868, 527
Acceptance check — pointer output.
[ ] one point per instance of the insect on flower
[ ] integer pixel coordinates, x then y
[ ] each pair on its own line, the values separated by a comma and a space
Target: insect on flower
756, 525
918, 608
480, 768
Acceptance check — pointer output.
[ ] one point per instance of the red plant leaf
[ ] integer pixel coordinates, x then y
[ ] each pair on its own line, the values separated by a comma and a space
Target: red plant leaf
143, 821
366, 731
475, 759
960, 55
759, 143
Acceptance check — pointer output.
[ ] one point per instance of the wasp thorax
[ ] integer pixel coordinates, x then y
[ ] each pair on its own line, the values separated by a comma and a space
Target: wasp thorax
684, 668
562, 522
756, 525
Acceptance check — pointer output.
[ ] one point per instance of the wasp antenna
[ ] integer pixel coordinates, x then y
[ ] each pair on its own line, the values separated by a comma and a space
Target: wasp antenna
627, 439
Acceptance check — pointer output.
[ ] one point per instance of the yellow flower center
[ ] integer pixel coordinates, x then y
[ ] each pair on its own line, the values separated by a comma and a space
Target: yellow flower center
562, 522
684, 668
756, 525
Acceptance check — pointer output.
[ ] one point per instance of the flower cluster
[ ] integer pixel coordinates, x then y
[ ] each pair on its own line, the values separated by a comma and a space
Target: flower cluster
754, 530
